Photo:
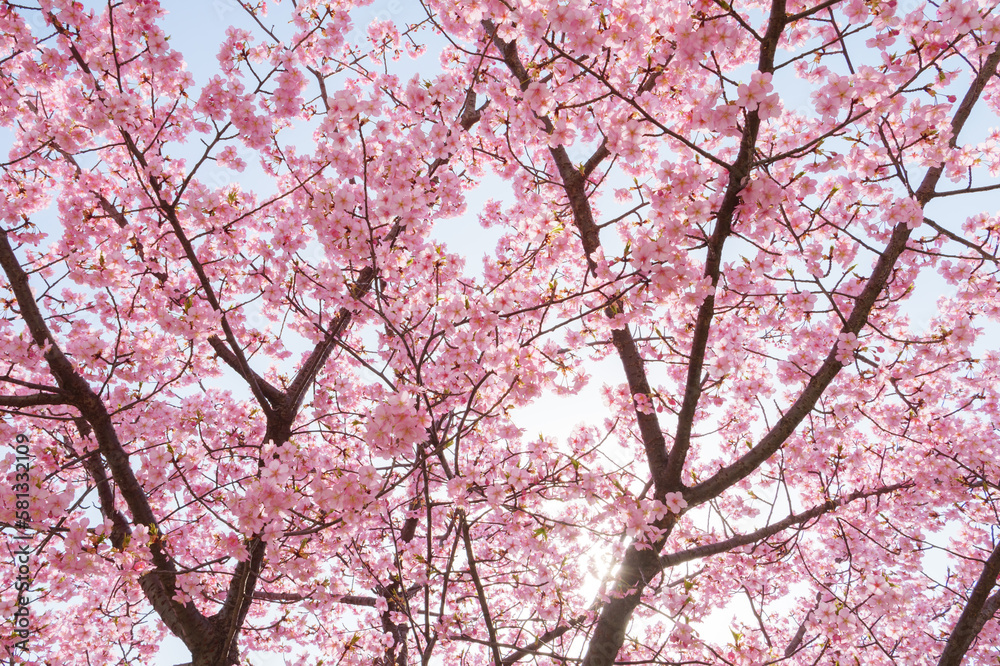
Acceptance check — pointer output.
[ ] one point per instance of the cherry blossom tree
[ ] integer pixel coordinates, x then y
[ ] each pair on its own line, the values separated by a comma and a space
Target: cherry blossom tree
272, 411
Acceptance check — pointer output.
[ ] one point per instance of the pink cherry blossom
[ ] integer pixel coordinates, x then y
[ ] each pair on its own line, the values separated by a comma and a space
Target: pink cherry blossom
530, 332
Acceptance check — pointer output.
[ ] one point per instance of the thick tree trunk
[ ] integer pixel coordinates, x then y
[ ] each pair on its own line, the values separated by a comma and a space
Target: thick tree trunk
638, 568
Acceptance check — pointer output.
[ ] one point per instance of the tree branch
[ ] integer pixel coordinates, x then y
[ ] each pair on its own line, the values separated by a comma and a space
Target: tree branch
481, 593
546, 638
699, 552
974, 615
803, 405
959, 239
34, 400
184, 620
274, 395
